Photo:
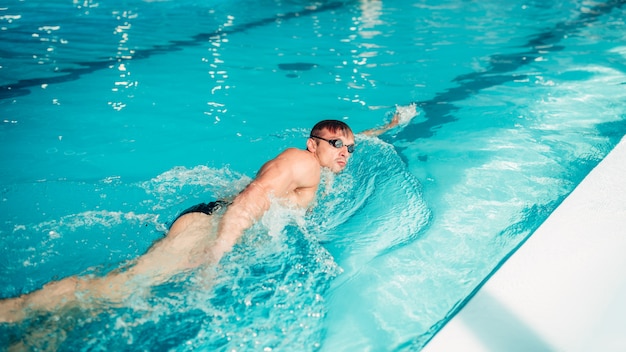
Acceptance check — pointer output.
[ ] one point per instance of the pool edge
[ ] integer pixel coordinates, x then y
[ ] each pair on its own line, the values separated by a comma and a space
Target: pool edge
561, 290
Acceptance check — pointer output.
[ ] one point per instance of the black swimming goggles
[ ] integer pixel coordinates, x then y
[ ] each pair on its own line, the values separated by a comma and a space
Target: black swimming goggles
337, 143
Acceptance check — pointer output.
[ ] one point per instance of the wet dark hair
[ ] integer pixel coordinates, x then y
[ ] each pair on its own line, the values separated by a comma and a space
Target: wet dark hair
332, 126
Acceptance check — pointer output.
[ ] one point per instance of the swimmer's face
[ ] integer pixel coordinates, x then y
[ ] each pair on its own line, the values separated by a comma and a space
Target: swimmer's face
332, 149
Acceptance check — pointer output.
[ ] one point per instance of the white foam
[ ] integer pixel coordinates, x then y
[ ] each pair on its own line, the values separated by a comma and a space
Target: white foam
406, 113
177, 184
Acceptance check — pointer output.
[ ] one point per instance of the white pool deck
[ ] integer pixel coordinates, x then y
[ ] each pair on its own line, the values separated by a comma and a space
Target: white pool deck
565, 288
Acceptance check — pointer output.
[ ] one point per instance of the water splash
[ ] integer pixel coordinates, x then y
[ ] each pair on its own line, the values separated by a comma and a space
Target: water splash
271, 291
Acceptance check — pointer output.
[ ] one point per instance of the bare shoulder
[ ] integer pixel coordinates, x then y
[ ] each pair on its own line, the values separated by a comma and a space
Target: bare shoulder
303, 166
298, 155
296, 159
300, 159
293, 165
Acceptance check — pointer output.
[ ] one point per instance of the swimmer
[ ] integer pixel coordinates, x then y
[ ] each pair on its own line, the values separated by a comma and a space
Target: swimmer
292, 178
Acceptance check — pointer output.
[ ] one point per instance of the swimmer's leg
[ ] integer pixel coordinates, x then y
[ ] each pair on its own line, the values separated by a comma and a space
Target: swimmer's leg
187, 245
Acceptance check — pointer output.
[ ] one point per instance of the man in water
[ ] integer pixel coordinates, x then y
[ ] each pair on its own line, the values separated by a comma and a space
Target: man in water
292, 179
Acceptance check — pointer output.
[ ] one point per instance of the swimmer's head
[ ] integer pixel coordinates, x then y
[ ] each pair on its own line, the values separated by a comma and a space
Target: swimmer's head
332, 142
333, 126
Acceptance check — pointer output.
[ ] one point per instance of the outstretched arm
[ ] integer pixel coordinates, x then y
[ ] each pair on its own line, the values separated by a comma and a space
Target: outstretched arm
402, 116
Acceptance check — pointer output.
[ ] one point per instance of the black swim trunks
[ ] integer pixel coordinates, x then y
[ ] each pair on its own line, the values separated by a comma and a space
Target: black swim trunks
206, 208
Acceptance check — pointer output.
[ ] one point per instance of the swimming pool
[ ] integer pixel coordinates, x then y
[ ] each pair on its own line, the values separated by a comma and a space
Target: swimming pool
116, 116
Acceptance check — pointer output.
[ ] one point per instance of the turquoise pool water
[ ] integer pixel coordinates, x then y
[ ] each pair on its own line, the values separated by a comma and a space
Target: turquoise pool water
116, 116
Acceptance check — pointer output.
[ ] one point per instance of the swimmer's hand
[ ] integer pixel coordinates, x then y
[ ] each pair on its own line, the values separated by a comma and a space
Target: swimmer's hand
401, 118
404, 114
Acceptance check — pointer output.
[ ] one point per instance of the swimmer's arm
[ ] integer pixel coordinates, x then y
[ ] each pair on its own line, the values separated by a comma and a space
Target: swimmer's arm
402, 116
245, 209
277, 177
380, 130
